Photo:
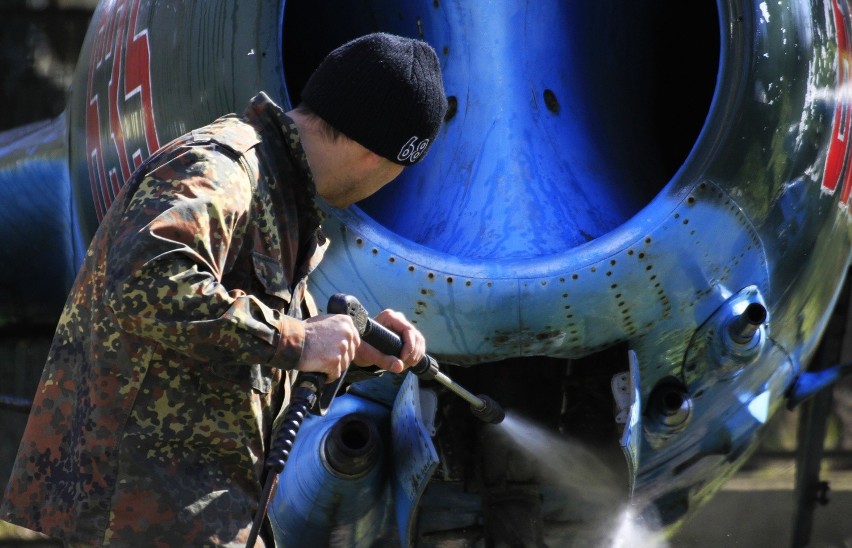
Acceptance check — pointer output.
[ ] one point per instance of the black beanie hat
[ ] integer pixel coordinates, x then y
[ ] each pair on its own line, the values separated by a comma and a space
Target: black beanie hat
384, 92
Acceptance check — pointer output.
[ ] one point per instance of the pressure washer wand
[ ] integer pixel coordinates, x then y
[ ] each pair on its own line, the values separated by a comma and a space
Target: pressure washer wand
388, 342
310, 391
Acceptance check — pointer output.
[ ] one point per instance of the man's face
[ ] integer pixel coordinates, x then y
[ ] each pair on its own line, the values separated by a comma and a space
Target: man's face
360, 184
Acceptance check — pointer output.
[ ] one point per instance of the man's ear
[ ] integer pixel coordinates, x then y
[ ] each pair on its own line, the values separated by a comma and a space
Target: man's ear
373, 160
355, 152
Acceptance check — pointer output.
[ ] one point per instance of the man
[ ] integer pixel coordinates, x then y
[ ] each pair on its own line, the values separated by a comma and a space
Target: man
170, 361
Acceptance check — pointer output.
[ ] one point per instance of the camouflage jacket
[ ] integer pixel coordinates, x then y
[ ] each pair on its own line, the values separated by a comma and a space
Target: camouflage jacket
154, 411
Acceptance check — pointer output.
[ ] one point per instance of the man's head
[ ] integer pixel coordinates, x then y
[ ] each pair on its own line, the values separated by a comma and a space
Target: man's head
383, 91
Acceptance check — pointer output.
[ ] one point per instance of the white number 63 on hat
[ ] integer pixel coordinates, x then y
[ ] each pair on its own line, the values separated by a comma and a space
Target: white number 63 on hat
411, 150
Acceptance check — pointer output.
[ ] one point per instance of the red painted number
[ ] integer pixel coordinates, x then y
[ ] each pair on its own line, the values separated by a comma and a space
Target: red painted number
837, 163
119, 80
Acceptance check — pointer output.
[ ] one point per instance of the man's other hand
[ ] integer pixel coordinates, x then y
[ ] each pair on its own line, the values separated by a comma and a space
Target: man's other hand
413, 345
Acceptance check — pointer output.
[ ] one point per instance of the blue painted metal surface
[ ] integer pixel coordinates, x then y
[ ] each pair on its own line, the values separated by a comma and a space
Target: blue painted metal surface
670, 268
415, 458
549, 220
313, 504
42, 245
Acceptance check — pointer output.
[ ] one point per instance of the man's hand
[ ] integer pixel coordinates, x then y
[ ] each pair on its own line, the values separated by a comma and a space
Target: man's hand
413, 345
331, 341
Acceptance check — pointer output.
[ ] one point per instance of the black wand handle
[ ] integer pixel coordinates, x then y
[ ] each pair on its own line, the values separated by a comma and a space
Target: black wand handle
382, 338
388, 342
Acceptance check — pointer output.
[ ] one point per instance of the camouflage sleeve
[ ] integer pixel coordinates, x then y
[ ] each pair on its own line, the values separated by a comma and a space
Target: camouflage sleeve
181, 230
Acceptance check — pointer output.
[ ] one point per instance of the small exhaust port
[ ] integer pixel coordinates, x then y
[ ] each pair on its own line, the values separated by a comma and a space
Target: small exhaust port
669, 405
